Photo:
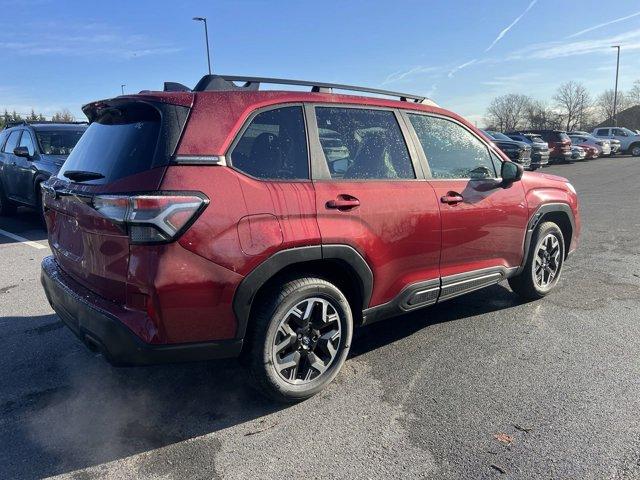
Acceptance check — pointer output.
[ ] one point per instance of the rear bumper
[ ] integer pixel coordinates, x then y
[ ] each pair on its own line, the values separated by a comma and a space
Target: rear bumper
95, 322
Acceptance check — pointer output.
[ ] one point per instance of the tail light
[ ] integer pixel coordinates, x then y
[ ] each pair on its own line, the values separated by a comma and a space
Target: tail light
152, 218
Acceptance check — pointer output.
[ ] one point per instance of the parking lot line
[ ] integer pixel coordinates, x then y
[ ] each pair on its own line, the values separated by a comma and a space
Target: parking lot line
20, 239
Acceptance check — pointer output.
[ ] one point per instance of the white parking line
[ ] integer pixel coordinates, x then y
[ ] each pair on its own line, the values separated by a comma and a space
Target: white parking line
20, 239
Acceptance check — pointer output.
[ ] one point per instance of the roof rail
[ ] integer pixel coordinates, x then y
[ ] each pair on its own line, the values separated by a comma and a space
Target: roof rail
16, 123
216, 83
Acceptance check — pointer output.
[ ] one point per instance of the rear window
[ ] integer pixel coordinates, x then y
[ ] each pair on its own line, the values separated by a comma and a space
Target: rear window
58, 142
120, 142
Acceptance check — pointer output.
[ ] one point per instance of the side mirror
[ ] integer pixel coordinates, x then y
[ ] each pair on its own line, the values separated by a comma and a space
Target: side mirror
510, 172
22, 152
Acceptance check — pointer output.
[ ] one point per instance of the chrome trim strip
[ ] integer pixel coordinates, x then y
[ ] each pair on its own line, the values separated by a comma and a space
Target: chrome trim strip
200, 160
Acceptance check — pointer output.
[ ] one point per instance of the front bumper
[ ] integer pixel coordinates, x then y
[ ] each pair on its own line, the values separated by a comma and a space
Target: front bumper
95, 322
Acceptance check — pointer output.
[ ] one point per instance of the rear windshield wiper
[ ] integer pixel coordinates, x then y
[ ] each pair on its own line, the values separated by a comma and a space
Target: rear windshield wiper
82, 175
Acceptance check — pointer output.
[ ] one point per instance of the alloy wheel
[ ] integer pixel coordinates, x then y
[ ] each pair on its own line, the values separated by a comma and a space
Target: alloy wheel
635, 151
306, 341
547, 261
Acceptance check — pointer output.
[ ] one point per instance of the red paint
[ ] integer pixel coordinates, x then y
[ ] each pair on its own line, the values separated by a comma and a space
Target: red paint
183, 291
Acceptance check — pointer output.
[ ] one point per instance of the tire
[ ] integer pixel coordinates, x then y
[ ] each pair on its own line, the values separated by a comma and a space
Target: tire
528, 284
634, 150
7, 208
309, 334
39, 206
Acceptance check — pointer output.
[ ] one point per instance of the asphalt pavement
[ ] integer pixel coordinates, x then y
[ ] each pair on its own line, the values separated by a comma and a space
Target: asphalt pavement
483, 386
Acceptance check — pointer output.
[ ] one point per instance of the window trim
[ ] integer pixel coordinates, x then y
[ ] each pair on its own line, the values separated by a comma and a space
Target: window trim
423, 155
320, 170
245, 126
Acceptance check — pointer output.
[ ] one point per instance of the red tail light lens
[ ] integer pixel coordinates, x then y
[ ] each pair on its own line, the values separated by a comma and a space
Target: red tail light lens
152, 218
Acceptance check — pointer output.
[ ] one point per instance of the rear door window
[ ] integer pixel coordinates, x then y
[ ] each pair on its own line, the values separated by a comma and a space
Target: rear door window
603, 132
274, 146
451, 150
12, 142
363, 144
119, 143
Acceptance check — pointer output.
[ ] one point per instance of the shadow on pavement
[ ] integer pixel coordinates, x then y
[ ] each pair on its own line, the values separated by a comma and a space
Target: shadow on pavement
26, 223
63, 408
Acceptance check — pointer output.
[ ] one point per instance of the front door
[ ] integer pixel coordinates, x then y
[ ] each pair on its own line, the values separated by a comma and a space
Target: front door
371, 195
24, 170
10, 163
483, 224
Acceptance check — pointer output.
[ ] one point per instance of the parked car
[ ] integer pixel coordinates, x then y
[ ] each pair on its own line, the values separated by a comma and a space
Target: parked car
217, 224
559, 144
615, 146
578, 153
30, 152
629, 140
539, 148
601, 145
519, 152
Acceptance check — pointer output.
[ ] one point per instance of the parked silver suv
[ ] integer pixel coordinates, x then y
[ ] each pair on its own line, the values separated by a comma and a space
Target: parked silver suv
629, 140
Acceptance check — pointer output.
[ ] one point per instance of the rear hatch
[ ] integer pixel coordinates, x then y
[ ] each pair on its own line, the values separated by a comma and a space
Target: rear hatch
114, 169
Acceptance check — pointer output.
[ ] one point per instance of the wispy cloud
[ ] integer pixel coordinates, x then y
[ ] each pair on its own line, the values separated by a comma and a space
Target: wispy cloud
549, 50
600, 25
511, 25
402, 74
87, 40
456, 69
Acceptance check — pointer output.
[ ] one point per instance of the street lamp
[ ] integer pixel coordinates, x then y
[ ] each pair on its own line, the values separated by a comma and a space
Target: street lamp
615, 92
122, 87
206, 38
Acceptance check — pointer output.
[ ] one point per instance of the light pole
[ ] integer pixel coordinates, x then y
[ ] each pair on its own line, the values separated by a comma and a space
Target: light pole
122, 87
615, 92
206, 38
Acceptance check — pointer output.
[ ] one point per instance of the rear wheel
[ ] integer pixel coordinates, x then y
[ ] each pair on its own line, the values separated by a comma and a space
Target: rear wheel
7, 207
299, 339
544, 263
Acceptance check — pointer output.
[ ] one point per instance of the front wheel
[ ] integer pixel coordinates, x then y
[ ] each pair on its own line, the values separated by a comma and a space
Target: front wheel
543, 265
300, 338
635, 150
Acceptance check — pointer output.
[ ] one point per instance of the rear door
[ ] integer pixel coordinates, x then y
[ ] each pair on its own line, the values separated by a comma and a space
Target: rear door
125, 150
371, 195
483, 224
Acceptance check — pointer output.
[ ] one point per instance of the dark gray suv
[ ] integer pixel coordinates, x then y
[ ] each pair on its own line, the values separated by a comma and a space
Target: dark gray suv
29, 154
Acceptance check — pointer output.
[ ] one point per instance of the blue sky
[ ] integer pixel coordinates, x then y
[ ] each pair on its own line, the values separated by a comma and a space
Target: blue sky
61, 54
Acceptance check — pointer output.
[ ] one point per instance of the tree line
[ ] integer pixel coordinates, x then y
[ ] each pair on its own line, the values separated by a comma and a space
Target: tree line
63, 115
571, 108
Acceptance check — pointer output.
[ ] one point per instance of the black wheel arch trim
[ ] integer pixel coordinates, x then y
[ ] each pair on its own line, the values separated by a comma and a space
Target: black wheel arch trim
251, 284
534, 221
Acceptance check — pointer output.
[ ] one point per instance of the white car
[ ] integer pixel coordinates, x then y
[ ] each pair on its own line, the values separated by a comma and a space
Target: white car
629, 140
577, 153
603, 146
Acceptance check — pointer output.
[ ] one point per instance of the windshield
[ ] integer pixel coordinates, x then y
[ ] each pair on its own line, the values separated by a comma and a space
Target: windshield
58, 142
629, 132
499, 136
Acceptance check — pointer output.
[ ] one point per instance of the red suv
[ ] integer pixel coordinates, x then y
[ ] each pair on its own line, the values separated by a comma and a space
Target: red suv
226, 221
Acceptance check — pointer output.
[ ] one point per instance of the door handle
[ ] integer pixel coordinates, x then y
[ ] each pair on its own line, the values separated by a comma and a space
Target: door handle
343, 202
452, 198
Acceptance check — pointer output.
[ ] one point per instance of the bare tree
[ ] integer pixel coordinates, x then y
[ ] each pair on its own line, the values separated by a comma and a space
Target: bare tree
573, 102
633, 96
604, 105
538, 115
63, 115
507, 112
